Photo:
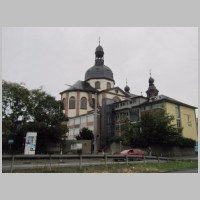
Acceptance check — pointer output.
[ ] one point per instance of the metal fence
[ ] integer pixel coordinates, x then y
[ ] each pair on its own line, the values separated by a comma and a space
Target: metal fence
13, 161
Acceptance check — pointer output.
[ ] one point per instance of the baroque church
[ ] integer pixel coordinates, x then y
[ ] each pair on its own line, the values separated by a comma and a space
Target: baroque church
96, 103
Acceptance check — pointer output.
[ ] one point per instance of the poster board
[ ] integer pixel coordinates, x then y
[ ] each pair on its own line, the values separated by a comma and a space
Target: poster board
30, 143
76, 146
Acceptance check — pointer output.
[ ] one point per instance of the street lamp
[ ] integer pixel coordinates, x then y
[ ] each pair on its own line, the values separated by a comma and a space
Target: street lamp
95, 120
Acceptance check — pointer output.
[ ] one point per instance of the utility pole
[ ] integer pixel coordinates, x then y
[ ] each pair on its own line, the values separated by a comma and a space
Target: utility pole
95, 125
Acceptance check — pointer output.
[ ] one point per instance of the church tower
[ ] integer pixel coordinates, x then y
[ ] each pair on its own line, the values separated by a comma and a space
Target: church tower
100, 76
152, 91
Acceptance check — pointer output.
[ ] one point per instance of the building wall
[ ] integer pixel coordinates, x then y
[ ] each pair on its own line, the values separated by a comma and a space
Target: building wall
78, 95
187, 117
77, 123
103, 83
188, 120
108, 95
170, 108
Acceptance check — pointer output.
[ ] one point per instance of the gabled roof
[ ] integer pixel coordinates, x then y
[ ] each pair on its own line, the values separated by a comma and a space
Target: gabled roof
81, 86
115, 88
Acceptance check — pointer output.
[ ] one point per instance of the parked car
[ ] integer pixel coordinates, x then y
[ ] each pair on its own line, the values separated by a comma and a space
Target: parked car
135, 152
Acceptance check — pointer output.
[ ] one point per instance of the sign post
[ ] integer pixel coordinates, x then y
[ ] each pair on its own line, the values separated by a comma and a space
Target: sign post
10, 142
196, 147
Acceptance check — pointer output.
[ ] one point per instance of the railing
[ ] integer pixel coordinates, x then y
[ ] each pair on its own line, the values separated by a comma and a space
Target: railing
80, 158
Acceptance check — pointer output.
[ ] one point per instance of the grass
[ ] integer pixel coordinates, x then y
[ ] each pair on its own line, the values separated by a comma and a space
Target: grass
116, 168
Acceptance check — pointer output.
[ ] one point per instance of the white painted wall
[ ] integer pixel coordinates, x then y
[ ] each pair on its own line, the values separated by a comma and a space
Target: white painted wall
103, 83
82, 122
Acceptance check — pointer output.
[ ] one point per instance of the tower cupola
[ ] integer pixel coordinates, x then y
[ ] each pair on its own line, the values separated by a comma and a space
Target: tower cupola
152, 90
99, 52
127, 88
99, 70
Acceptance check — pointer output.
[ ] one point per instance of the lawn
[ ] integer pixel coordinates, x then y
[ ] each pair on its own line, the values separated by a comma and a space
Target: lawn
116, 168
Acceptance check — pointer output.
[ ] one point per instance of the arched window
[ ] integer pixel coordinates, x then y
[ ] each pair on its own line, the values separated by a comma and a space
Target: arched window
64, 103
83, 103
97, 85
108, 85
72, 101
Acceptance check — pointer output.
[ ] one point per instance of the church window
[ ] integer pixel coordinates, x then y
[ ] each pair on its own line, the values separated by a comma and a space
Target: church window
83, 103
97, 85
72, 101
108, 85
177, 112
178, 122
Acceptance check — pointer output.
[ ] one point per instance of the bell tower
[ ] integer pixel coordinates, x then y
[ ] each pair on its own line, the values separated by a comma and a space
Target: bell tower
152, 91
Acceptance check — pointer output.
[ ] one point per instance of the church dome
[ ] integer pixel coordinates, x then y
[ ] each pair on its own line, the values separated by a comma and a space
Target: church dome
152, 90
127, 88
99, 49
99, 70
151, 80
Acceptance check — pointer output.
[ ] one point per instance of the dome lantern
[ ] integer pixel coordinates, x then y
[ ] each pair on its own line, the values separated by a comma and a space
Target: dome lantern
99, 70
127, 88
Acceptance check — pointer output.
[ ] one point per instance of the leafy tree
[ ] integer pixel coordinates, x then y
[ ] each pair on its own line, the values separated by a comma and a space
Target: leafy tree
85, 134
129, 131
155, 128
15, 101
158, 128
44, 108
33, 110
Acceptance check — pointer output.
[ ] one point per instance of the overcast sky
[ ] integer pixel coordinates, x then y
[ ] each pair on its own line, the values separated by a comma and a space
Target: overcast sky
53, 57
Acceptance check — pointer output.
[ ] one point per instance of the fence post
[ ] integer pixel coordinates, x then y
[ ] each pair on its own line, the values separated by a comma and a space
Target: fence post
158, 160
12, 163
50, 158
144, 159
126, 160
80, 162
105, 157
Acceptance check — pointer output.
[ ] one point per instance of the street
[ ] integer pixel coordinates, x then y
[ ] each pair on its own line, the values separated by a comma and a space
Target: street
186, 171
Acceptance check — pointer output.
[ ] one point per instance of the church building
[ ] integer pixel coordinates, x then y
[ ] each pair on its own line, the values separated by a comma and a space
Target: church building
96, 103
80, 99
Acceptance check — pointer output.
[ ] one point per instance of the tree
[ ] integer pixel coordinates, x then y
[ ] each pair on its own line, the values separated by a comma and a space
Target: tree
15, 101
158, 128
33, 110
129, 131
44, 108
155, 128
85, 134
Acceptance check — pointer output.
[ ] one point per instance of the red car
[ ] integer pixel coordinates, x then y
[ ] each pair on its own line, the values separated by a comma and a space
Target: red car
128, 152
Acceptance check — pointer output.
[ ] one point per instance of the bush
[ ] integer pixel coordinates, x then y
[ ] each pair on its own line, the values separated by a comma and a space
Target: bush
185, 142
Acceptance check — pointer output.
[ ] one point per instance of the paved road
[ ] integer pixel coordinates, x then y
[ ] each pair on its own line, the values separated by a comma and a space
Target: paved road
186, 171
56, 163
